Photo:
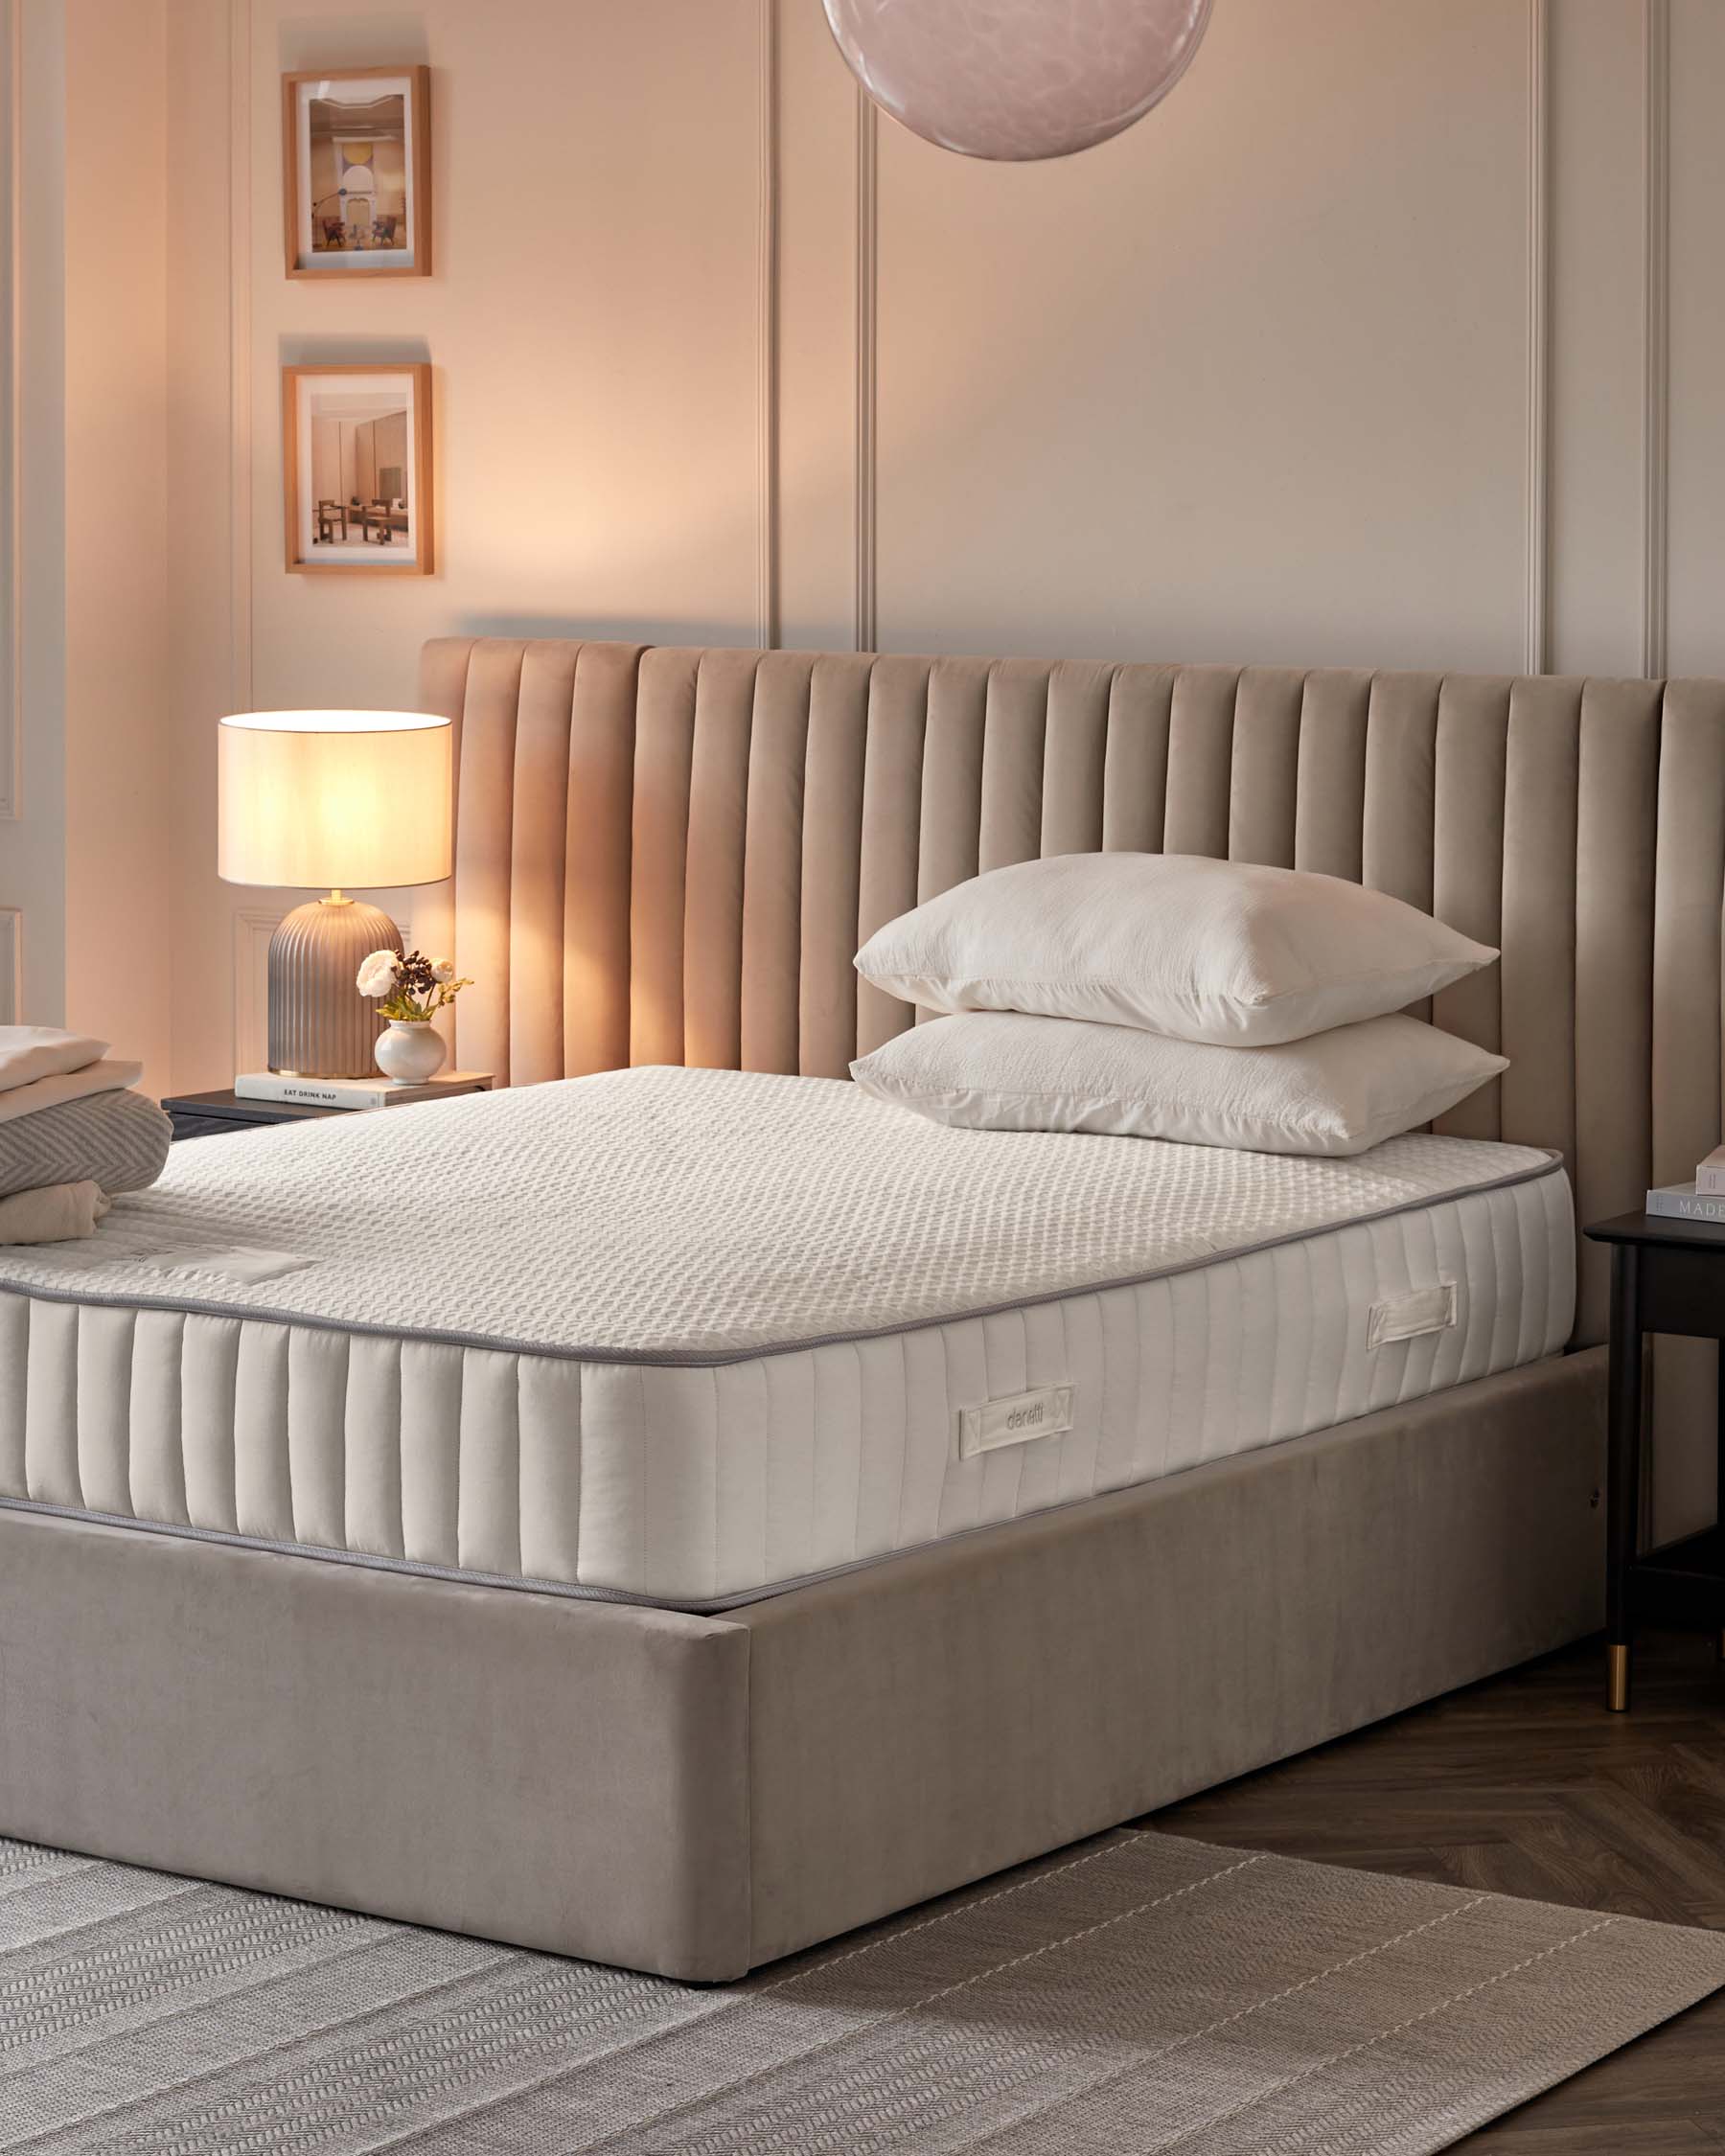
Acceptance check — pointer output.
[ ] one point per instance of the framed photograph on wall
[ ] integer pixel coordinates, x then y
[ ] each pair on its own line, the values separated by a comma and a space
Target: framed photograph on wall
356, 159
356, 469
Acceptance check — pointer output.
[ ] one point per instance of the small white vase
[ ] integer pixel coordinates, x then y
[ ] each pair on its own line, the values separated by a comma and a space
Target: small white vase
410, 1052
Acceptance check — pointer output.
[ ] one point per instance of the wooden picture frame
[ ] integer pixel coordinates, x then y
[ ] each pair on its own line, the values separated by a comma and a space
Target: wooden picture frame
345, 232
357, 502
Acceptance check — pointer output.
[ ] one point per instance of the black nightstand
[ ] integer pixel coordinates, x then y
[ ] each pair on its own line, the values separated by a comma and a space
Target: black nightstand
1667, 1277
211, 1114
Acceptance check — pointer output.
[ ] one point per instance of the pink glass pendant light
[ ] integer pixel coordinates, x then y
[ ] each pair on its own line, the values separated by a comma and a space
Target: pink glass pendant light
1018, 78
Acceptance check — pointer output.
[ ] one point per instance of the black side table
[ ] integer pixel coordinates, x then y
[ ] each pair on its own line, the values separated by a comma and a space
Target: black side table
1667, 1277
212, 1115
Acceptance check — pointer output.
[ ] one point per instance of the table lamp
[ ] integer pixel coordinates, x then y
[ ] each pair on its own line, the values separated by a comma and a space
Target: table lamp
321, 800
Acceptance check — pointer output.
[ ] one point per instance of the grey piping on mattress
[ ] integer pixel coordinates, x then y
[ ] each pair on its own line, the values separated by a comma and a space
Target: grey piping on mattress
699, 1358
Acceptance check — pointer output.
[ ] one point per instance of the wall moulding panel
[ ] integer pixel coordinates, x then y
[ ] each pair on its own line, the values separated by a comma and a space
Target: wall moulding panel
1177, 397
241, 246
1692, 383
253, 929
12, 965
34, 843
866, 246
819, 345
1597, 224
1656, 326
1537, 642
212, 483
12, 642
767, 595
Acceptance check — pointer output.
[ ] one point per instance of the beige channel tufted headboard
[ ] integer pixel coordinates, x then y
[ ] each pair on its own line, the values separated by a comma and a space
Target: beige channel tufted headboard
671, 856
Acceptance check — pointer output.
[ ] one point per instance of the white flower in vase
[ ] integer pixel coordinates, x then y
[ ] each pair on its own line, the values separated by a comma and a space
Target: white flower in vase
378, 973
409, 1050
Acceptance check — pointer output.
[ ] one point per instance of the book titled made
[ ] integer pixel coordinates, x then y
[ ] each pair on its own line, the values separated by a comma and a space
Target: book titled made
1682, 1201
356, 1093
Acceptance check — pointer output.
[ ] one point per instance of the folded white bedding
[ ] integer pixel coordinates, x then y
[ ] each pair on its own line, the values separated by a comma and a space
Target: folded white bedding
28, 1052
55, 1088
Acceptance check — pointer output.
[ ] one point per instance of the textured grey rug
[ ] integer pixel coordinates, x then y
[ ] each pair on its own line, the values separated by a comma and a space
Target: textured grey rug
1137, 1993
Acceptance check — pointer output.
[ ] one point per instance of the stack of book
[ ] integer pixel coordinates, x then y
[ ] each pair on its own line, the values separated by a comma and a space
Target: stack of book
356, 1093
1704, 1199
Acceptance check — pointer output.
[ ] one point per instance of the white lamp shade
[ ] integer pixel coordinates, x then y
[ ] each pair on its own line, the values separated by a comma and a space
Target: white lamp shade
323, 799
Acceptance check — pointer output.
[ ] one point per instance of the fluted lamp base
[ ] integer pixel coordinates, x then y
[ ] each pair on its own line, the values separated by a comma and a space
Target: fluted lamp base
320, 1026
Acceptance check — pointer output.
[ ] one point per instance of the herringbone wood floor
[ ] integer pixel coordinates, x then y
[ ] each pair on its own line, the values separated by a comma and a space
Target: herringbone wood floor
1526, 1785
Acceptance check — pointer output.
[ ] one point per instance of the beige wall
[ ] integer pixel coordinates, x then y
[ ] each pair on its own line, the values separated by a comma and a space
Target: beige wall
1697, 339
1354, 352
86, 872
119, 774
33, 694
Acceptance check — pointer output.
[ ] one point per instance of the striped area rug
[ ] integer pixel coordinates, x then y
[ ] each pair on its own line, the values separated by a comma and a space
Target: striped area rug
1139, 1992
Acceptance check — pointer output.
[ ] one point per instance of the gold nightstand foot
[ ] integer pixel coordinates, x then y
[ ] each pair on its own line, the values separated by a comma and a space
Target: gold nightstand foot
1616, 1679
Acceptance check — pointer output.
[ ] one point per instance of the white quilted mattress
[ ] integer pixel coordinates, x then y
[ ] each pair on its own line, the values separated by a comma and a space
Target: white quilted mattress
689, 1336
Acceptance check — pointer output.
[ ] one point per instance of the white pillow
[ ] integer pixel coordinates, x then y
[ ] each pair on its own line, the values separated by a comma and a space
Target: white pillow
1335, 1093
1197, 948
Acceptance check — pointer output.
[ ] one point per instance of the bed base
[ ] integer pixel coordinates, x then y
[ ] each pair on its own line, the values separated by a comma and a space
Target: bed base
694, 1795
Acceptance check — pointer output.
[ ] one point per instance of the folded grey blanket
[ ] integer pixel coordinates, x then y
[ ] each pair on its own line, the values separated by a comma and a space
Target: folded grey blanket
118, 1140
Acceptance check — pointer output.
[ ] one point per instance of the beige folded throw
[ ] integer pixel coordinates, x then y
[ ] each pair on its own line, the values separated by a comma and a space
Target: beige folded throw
59, 1213
28, 1052
62, 1086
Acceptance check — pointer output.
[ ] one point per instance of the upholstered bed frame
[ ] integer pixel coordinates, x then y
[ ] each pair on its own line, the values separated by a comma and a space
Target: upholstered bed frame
670, 855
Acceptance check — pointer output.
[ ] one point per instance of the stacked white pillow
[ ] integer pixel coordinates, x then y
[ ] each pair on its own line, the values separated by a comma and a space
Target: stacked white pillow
1175, 996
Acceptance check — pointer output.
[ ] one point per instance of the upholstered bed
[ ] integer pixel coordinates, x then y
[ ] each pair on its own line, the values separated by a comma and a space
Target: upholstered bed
675, 1595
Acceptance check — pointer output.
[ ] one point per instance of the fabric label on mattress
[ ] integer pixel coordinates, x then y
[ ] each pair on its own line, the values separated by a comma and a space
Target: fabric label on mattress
238, 1262
1427, 1309
1016, 1421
